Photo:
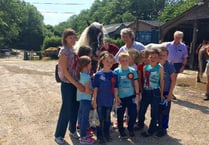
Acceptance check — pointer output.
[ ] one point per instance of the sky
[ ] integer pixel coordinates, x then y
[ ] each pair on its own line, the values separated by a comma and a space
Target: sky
56, 11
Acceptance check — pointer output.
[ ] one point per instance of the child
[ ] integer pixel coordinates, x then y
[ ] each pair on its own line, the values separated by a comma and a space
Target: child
84, 67
134, 54
128, 91
152, 91
169, 81
141, 62
105, 89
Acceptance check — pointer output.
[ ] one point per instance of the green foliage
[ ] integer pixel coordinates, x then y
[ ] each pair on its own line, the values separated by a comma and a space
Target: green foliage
174, 9
114, 11
119, 42
21, 25
53, 41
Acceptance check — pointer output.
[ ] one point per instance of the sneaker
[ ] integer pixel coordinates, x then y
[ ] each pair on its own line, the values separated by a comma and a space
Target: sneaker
138, 127
101, 142
89, 132
108, 138
75, 135
174, 97
131, 133
161, 133
146, 134
87, 140
60, 141
207, 97
123, 134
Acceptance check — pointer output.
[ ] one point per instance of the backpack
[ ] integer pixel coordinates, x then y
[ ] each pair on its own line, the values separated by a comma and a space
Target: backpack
57, 78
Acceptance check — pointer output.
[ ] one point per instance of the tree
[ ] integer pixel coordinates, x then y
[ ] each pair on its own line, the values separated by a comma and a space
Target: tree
32, 29
174, 9
21, 25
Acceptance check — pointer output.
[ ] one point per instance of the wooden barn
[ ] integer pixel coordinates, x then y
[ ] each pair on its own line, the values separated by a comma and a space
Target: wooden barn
146, 31
195, 25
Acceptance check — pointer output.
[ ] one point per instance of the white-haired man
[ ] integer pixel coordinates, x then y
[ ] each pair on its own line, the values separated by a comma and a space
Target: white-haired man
178, 53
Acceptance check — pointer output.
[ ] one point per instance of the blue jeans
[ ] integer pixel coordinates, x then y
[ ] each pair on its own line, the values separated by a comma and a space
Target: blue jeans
104, 118
83, 116
68, 111
151, 97
129, 103
164, 114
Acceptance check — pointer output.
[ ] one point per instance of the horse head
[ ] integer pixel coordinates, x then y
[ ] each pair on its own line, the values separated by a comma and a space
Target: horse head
95, 37
92, 36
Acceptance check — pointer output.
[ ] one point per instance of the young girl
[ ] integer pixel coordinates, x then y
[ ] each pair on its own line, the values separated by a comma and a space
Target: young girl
84, 67
105, 90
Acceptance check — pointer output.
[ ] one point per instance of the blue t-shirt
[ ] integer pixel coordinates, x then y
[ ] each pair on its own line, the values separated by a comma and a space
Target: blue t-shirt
168, 70
105, 82
84, 78
152, 77
126, 81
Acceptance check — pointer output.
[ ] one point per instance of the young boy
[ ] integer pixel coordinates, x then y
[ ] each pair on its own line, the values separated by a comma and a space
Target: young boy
169, 81
152, 91
128, 91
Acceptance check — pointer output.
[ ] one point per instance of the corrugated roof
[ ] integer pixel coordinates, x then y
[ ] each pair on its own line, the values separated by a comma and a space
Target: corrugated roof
112, 27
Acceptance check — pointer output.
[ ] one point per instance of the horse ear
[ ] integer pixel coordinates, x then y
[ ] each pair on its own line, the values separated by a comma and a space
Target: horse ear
88, 23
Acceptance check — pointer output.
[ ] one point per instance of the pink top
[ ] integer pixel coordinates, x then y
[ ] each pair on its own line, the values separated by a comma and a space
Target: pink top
72, 60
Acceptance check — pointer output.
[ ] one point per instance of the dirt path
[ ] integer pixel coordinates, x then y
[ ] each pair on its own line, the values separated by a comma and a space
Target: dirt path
30, 101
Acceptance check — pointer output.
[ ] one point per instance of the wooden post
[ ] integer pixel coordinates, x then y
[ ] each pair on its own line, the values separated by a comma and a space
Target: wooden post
193, 45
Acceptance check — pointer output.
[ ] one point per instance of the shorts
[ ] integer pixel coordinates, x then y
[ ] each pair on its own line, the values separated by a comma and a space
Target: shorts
207, 69
177, 67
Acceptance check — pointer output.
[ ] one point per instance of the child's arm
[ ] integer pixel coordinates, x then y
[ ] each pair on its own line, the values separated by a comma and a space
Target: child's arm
161, 82
173, 83
136, 87
87, 88
140, 81
117, 99
95, 98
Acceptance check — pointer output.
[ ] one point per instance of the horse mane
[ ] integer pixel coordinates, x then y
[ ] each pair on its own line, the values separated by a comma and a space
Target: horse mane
85, 36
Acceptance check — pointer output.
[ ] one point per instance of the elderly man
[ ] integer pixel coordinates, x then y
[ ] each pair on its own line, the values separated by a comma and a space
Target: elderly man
128, 36
178, 53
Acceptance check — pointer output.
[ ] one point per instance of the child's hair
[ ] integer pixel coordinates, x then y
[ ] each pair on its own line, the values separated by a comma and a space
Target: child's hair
102, 56
133, 53
142, 54
83, 62
154, 51
84, 50
122, 55
163, 49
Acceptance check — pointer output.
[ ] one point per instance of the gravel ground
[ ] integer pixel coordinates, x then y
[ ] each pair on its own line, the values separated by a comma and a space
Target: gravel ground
30, 102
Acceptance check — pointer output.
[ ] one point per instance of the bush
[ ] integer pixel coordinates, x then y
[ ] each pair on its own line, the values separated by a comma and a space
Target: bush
53, 41
119, 42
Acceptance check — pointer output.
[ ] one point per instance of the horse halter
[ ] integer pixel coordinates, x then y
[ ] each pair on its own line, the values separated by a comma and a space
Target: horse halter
97, 42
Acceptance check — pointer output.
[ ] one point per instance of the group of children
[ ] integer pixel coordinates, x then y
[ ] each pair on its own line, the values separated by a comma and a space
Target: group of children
141, 79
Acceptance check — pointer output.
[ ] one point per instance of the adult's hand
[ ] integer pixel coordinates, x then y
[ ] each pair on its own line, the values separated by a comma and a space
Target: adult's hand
81, 88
